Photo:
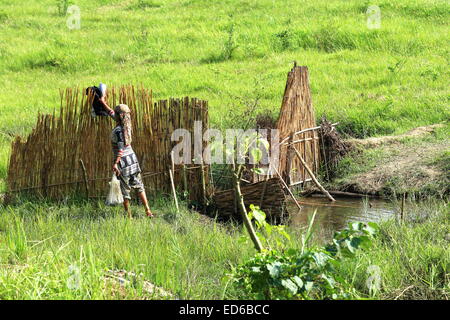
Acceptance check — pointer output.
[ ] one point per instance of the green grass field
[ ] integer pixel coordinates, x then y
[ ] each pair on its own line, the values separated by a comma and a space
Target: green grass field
374, 82
378, 81
385, 80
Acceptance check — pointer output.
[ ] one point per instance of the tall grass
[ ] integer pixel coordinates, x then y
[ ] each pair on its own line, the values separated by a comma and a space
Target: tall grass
49, 247
412, 256
63, 251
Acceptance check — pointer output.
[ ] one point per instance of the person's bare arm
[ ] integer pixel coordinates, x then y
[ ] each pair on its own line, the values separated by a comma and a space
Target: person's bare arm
105, 106
111, 113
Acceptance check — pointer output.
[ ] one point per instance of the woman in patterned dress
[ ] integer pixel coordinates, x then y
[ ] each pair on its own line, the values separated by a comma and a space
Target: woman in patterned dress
125, 164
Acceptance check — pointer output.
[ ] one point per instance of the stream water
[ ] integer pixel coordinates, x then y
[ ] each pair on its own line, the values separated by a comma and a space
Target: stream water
334, 216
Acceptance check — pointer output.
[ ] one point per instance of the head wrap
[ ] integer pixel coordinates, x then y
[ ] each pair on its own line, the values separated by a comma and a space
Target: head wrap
123, 117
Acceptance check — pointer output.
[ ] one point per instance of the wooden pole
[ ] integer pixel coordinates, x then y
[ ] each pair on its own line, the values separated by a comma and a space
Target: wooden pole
204, 184
287, 188
85, 177
240, 201
185, 183
313, 177
172, 162
172, 182
340, 193
173, 190
290, 156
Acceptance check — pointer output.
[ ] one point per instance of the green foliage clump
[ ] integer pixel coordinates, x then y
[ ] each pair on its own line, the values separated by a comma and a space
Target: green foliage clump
63, 5
16, 241
306, 273
229, 46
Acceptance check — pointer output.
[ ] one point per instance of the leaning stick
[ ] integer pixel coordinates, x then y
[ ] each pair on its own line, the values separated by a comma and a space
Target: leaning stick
204, 184
171, 174
287, 188
173, 190
313, 177
85, 176
263, 193
172, 162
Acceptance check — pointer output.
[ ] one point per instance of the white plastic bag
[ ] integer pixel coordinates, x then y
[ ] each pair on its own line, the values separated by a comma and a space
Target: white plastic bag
115, 195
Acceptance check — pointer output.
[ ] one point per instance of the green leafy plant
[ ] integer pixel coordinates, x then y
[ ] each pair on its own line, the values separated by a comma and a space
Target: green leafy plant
305, 273
272, 236
228, 48
230, 44
282, 40
358, 235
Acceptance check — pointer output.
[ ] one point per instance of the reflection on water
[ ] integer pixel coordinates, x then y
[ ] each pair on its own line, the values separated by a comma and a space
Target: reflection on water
333, 216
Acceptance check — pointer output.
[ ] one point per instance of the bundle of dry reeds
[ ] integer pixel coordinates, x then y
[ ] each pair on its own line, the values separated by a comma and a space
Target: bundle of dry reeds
48, 162
297, 127
296, 115
268, 195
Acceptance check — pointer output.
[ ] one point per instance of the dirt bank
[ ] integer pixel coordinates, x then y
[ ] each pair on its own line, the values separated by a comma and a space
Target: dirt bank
418, 132
415, 162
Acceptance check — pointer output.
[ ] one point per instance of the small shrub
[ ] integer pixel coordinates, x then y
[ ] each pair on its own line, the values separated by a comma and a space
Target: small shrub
4, 17
282, 40
306, 273
143, 4
230, 44
228, 48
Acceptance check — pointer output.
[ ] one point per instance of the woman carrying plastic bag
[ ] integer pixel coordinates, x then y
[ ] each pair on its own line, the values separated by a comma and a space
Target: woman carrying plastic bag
126, 166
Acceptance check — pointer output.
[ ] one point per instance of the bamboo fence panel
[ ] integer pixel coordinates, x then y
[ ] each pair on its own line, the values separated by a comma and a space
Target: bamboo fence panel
269, 195
47, 162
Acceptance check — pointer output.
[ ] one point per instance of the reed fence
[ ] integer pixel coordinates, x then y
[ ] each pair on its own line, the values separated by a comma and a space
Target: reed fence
70, 151
268, 195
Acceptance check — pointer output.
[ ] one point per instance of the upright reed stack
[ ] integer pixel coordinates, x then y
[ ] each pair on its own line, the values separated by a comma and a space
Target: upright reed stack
297, 129
48, 162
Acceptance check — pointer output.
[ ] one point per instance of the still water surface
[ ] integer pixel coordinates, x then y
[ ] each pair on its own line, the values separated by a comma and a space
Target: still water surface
334, 216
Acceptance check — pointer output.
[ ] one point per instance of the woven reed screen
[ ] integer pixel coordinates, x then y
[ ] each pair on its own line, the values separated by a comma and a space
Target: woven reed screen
47, 162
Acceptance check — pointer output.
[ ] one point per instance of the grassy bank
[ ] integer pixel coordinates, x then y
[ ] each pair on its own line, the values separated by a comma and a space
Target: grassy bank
44, 246
411, 257
391, 166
